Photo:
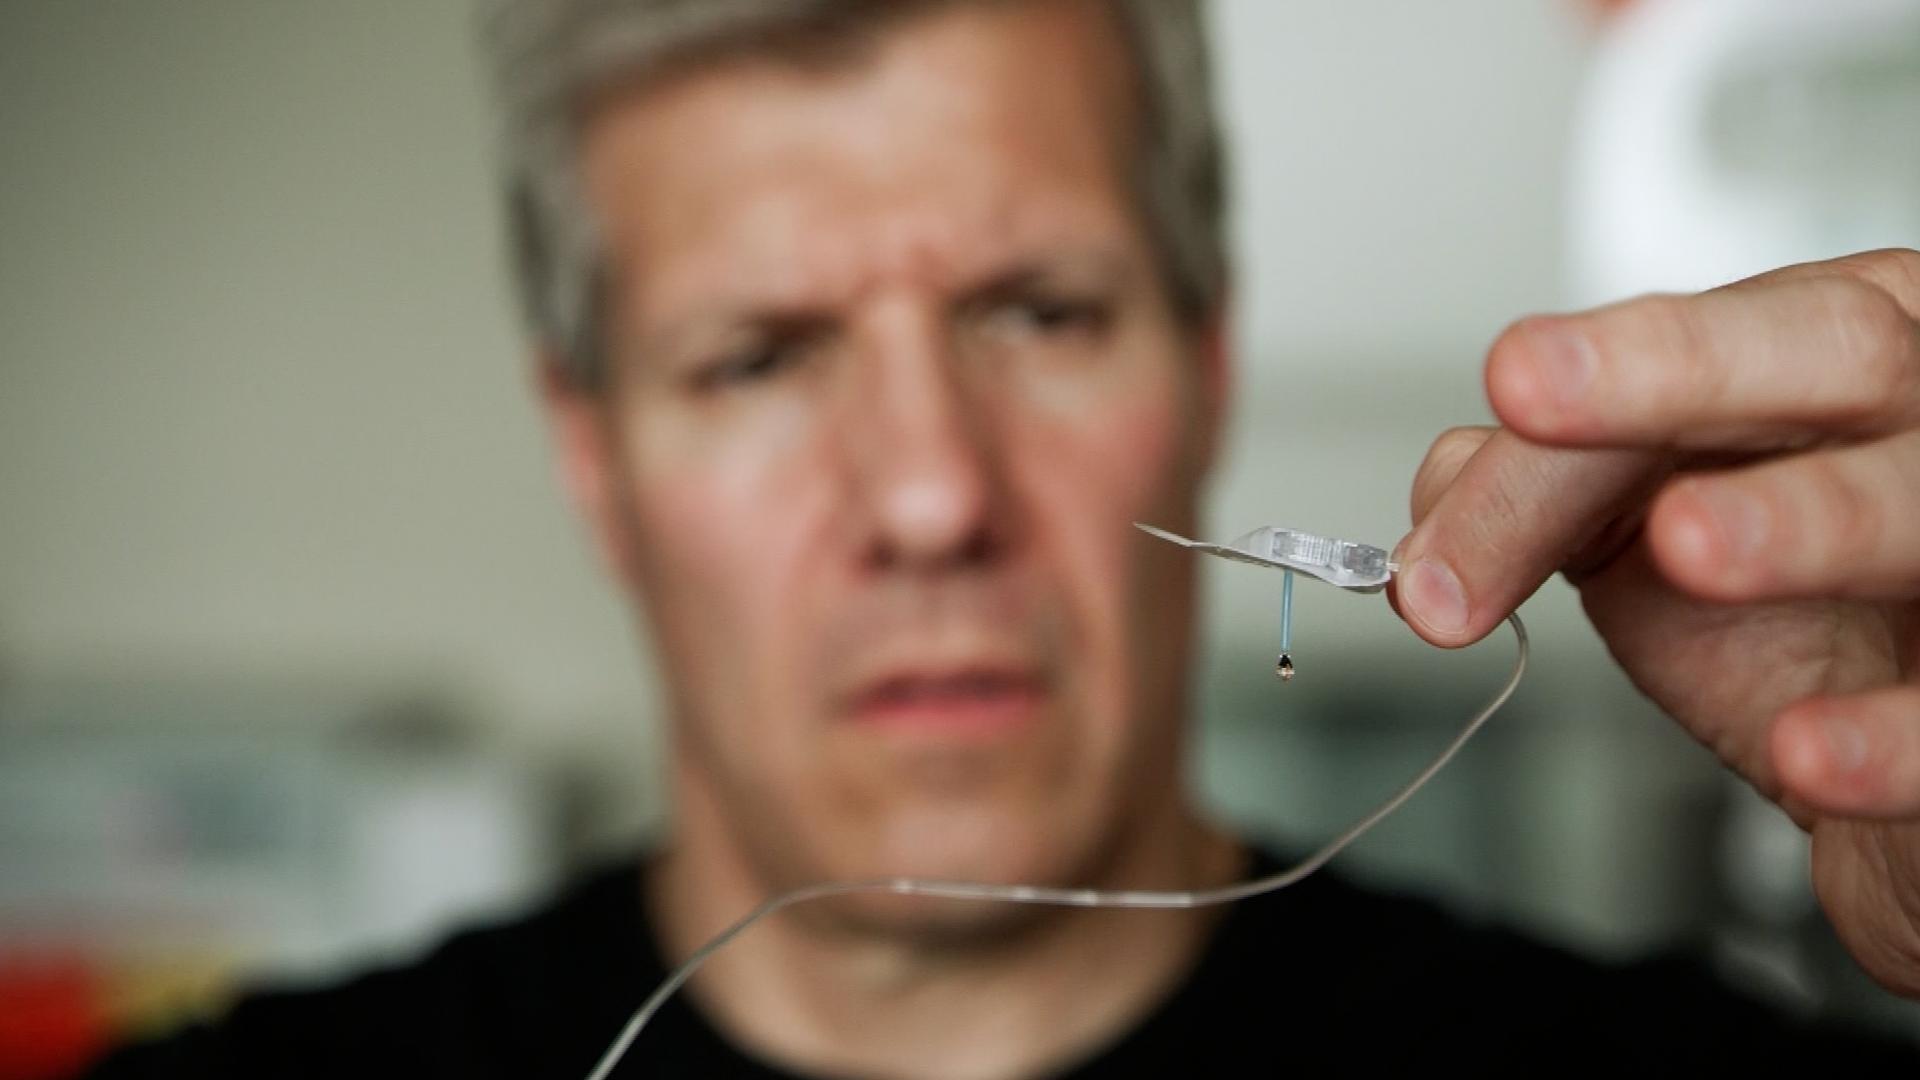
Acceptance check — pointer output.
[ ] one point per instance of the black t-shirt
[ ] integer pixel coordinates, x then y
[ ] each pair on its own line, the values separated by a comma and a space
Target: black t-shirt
1321, 977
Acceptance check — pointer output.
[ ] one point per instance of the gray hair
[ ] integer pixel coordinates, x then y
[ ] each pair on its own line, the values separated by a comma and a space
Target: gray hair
546, 56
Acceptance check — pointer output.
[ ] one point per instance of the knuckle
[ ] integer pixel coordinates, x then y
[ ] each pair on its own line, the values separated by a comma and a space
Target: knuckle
1904, 264
1693, 369
1878, 338
1852, 517
1896, 270
1668, 320
1500, 528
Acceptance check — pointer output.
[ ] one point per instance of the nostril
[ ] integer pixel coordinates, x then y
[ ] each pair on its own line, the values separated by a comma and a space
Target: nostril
979, 547
976, 548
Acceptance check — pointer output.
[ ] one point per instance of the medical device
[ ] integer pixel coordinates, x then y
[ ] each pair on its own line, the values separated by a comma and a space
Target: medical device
1359, 568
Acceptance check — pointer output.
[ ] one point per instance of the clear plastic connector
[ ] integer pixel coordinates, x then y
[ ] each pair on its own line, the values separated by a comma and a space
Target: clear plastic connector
1343, 563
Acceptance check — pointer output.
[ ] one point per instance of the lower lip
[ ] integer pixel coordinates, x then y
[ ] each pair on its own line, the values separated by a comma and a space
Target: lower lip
962, 715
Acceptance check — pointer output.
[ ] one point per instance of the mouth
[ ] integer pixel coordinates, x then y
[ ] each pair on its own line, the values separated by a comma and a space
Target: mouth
976, 702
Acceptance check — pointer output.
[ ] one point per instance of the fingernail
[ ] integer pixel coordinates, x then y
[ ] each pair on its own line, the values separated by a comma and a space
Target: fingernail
1846, 745
1565, 361
1434, 593
1740, 518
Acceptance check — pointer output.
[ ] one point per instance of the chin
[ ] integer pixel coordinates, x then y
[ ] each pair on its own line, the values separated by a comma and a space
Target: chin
1004, 845
1001, 842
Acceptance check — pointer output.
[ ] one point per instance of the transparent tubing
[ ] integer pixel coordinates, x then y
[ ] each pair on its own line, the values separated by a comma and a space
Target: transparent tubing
1283, 666
1039, 894
1286, 614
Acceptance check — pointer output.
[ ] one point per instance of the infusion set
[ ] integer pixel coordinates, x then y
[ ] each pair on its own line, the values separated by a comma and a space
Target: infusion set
1344, 564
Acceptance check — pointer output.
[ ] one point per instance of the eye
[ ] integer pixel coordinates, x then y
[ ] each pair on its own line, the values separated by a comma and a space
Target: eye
757, 362
1046, 317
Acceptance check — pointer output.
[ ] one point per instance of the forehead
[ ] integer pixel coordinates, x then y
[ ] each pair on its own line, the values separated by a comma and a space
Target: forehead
955, 142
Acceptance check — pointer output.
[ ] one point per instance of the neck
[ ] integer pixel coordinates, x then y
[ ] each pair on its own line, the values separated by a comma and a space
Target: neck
821, 997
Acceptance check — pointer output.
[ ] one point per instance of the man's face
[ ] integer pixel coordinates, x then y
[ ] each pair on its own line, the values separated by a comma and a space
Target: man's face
892, 372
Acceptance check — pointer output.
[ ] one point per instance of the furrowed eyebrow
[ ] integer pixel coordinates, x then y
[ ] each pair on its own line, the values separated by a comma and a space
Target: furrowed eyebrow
1099, 270
781, 311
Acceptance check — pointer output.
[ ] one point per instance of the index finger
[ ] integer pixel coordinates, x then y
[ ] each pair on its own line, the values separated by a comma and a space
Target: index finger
1820, 349
1514, 516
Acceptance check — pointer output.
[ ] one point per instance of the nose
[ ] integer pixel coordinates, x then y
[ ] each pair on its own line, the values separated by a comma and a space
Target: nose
922, 451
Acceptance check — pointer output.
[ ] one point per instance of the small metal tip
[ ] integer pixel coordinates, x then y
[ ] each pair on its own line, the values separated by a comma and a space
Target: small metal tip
1284, 668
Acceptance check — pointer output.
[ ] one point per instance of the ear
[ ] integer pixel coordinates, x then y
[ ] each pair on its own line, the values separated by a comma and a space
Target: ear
588, 465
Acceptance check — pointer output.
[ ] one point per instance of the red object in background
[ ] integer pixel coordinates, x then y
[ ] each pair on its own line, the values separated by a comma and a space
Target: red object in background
51, 1019
1602, 12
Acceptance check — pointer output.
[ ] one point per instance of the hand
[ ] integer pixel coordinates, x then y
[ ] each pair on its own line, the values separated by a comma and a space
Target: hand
1732, 482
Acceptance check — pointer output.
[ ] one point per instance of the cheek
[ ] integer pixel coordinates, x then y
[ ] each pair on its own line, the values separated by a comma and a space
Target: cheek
720, 529
1099, 457
1127, 453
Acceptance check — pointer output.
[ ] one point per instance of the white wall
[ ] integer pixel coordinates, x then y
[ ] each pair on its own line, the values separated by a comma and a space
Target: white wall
263, 406
1399, 167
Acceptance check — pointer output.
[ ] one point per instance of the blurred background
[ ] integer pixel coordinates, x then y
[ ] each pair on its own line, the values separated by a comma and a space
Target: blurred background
303, 663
